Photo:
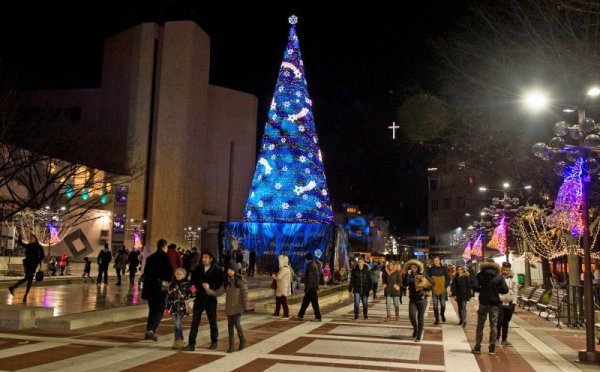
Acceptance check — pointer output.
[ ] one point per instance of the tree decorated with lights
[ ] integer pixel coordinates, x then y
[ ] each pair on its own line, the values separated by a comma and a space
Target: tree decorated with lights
289, 182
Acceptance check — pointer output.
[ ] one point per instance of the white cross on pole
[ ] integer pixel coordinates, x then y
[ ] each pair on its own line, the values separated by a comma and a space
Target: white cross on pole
393, 127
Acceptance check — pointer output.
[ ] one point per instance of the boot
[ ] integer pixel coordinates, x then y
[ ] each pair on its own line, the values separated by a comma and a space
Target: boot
230, 350
397, 314
242, 341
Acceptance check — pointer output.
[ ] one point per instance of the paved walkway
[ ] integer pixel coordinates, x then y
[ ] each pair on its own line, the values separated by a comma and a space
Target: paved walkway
339, 343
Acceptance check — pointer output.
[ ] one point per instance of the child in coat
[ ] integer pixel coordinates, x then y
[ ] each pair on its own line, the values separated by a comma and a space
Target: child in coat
87, 269
179, 293
236, 302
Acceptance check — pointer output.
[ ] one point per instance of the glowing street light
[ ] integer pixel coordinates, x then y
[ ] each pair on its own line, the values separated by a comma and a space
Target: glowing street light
536, 100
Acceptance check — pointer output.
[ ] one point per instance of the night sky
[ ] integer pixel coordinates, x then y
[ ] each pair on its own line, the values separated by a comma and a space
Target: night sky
360, 63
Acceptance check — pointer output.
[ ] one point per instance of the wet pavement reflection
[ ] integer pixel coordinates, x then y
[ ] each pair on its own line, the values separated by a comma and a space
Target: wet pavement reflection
76, 298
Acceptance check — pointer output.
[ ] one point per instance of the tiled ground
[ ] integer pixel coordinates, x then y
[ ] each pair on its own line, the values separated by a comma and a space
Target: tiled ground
339, 343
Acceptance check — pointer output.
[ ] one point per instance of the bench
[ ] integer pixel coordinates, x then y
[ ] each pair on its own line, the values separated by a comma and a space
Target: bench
535, 298
15, 269
527, 292
554, 306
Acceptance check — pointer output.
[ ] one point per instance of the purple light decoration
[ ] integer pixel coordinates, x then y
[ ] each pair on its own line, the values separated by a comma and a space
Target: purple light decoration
137, 240
498, 240
53, 232
467, 253
567, 212
476, 250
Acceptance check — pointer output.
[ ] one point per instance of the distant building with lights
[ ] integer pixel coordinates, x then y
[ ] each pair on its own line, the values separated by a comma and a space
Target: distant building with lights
452, 194
366, 233
194, 142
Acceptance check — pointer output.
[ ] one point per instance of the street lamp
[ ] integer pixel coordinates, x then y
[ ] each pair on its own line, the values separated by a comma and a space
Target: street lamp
584, 131
191, 235
504, 207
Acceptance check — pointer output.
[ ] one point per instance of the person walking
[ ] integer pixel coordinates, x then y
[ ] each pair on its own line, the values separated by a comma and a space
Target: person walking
507, 308
104, 258
179, 293
440, 278
375, 274
211, 274
133, 262
174, 256
311, 287
461, 291
236, 302
391, 289
490, 284
120, 263
360, 286
284, 286
87, 268
34, 254
63, 263
418, 291
146, 252
251, 263
158, 274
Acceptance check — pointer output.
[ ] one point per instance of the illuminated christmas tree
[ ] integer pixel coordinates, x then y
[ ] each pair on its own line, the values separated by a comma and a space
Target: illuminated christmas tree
289, 182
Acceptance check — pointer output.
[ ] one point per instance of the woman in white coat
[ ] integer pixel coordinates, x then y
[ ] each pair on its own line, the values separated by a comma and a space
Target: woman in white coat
284, 289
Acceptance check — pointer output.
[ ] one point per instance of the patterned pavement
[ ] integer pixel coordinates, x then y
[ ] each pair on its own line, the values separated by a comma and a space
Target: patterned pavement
339, 343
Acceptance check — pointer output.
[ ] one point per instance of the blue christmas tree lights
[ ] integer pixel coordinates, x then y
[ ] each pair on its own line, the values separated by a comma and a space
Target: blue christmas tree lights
289, 182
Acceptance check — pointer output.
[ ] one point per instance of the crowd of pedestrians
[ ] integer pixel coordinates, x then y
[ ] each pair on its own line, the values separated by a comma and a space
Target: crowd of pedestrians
188, 284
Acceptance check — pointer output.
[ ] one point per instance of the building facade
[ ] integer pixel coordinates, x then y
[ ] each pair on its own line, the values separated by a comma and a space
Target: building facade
192, 144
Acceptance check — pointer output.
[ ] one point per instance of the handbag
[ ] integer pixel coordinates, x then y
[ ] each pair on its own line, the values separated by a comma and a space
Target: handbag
274, 284
39, 276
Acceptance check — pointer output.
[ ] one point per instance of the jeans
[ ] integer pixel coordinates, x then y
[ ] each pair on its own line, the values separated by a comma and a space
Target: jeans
388, 302
504, 316
375, 285
281, 301
234, 321
118, 276
441, 300
156, 310
364, 298
178, 326
482, 315
462, 311
416, 313
200, 305
102, 270
311, 297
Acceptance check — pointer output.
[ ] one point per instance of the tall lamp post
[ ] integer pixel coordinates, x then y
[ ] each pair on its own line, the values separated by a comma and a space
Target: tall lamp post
191, 235
504, 207
584, 131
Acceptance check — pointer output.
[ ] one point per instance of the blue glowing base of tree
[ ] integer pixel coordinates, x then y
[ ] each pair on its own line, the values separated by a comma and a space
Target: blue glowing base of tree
289, 182
269, 240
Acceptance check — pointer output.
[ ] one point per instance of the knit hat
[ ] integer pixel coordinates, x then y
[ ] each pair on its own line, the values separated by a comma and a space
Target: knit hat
208, 252
309, 256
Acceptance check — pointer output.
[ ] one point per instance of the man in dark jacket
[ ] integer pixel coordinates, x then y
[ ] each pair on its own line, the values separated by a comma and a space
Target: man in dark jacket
360, 285
440, 278
158, 274
104, 258
490, 284
210, 273
311, 286
34, 254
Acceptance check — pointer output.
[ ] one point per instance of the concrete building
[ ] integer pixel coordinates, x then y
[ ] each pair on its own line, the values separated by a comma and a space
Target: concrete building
155, 112
453, 193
